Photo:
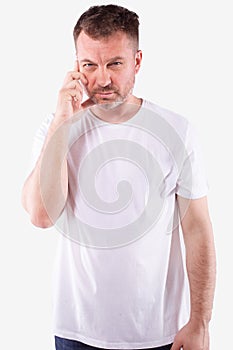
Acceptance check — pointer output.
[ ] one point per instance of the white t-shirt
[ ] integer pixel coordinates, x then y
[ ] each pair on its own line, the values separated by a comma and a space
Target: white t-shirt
120, 277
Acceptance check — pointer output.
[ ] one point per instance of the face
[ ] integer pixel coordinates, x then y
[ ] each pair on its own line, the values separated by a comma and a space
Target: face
109, 65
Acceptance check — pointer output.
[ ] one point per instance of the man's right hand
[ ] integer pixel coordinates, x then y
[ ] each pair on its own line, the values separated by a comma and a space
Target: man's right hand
45, 190
71, 95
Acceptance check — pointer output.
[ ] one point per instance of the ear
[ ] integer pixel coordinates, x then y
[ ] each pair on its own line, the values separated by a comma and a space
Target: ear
138, 60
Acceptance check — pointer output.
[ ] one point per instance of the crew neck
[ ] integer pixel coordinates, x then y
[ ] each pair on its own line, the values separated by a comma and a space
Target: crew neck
101, 121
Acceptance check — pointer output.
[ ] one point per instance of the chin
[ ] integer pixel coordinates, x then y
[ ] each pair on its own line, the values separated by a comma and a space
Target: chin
107, 105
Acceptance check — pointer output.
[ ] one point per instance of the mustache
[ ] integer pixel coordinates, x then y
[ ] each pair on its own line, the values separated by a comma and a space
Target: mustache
105, 89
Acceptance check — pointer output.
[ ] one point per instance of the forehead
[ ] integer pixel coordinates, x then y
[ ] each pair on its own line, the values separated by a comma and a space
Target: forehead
118, 44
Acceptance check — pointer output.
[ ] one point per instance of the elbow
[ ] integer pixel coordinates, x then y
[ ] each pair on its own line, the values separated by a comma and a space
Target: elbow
41, 220
38, 215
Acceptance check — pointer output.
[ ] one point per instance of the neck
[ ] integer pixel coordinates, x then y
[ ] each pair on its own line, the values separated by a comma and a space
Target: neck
118, 113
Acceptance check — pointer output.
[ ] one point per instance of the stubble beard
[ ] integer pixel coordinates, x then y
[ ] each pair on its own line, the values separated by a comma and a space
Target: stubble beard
107, 104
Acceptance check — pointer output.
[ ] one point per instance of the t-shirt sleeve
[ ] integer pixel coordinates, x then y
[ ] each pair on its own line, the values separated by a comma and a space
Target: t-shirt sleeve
192, 181
38, 141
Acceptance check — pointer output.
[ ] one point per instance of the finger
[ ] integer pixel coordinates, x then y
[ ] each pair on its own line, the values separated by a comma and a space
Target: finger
74, 84
76, 66
74, 75
82, 78
69, 93
72, 95
76, 94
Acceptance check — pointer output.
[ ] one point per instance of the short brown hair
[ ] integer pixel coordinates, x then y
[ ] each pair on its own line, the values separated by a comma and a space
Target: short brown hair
103, 21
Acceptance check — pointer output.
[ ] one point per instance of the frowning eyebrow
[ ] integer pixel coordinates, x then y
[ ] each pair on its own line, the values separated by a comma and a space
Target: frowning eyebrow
116, 58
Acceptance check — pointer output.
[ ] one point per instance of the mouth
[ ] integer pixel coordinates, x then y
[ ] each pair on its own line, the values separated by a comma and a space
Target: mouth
105, 95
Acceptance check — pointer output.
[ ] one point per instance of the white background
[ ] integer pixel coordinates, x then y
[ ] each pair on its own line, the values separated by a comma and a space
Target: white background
187, 67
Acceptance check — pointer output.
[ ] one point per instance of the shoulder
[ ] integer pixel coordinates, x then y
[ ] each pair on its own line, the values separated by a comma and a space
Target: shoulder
172, 121
171, 116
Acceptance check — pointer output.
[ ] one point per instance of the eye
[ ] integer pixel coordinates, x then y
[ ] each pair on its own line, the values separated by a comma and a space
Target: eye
115, 64
88, 65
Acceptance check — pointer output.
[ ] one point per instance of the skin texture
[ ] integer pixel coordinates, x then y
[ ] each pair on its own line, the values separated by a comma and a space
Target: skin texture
105, 70
110, 69
201, 266
108, 83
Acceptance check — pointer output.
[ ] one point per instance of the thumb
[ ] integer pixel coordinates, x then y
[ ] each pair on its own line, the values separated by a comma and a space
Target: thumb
88, 103
176, 346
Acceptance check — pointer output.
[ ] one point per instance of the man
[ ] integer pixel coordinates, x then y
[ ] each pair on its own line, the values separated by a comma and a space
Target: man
112, 173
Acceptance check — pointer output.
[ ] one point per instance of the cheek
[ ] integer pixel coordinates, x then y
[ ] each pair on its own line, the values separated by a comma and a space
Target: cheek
123, 76
131, 68
90, 80
128, 76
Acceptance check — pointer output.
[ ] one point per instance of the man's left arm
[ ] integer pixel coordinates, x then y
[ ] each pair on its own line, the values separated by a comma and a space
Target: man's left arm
201, 268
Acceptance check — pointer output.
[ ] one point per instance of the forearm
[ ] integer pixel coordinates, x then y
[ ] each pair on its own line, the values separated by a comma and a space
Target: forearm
45, 191
201, 268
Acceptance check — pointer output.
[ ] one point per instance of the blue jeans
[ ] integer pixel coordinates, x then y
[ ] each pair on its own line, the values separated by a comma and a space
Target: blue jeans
67, 344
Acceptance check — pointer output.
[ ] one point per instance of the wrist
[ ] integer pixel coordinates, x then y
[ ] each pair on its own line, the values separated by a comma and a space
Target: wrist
199, 320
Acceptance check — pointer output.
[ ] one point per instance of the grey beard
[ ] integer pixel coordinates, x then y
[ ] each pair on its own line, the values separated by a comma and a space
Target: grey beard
115, 104
109, 106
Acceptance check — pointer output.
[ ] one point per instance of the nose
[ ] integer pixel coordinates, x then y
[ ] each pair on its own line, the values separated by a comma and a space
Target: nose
103, 77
